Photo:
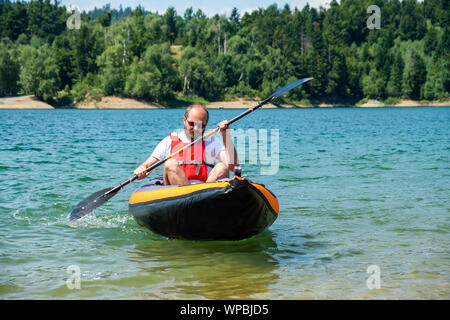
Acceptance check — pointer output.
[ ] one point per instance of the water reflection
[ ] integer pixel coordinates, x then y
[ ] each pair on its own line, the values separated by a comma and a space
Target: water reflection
243, 269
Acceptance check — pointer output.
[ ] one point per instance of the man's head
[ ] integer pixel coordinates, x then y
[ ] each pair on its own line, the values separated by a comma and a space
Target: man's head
195, 120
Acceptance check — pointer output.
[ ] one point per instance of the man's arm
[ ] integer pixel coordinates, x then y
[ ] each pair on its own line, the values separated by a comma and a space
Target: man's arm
160, 152
229, 155
140, 171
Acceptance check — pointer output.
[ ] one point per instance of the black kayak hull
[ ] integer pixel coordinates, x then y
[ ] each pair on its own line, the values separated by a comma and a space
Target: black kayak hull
231, 210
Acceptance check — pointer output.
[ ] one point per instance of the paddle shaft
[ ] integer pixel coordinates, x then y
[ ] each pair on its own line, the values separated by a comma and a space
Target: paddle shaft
250, 110
98, 198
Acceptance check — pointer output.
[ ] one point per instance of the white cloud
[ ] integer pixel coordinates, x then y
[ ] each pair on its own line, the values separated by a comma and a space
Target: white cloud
300, 4
249, 10
210, 8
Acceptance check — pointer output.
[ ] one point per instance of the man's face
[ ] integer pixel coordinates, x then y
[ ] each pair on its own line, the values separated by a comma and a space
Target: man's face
195, 123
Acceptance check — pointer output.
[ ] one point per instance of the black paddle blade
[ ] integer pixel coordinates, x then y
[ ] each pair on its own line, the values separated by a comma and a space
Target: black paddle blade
92, 202
288, 87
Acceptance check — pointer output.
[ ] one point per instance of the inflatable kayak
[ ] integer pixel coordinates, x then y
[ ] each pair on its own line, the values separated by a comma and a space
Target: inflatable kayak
227, 210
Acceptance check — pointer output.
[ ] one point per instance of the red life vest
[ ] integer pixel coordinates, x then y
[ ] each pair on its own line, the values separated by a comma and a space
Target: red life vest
191, 160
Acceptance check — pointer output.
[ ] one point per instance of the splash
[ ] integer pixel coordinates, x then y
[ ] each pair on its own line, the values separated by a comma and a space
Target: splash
116, 220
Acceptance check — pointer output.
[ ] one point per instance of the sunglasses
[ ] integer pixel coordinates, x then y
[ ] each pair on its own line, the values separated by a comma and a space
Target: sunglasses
193, 123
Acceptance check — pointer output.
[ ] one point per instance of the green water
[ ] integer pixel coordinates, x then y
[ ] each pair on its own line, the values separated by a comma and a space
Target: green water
357, 187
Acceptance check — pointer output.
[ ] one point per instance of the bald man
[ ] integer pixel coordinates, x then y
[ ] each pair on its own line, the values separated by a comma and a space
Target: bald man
206, 161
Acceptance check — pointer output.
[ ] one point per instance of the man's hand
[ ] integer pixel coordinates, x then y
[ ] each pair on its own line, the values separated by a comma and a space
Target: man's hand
223, 126
140, 172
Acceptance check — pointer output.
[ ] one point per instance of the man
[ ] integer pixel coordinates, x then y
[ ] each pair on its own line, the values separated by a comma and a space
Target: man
198, 163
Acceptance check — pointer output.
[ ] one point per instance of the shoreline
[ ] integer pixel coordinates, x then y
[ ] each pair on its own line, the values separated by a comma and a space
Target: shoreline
113, 102
23, 102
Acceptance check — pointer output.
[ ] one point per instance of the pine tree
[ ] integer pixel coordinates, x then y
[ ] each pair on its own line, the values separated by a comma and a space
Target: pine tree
394, 85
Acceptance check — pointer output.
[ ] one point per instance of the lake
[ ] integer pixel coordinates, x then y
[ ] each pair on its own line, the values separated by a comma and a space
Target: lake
364, 207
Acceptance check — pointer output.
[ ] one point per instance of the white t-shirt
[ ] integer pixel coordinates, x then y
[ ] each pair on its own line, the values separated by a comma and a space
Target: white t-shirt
213, 146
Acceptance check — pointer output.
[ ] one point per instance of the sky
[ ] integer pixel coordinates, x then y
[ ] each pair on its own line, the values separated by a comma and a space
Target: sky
209, 7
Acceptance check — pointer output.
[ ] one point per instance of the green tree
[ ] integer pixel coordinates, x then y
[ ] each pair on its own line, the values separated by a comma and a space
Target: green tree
64, 60
9, 72
112, 63
430, 40
354, 67
337, 77
45, 19
171, 23
238, 45
412, 23
154, 76
443, 47
235, 20
39, 74
155, 28
105, 19
142, 80
138, 34
253, 70
86, 45
407, 83
14, 20
394, 85
418, 73
437, 85
188, 14
373, 85
227, 70
196, 75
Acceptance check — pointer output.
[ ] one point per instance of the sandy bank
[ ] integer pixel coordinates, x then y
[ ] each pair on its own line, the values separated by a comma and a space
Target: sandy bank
125, 103
440, 104
371, 104
23, 102
113, 102
405, 103
242, 103
238, 104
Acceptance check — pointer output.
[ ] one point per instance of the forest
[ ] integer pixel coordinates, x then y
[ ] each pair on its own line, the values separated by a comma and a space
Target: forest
173, 57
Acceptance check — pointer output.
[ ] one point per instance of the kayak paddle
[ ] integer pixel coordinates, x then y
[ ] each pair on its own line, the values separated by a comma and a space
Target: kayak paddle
98, 198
